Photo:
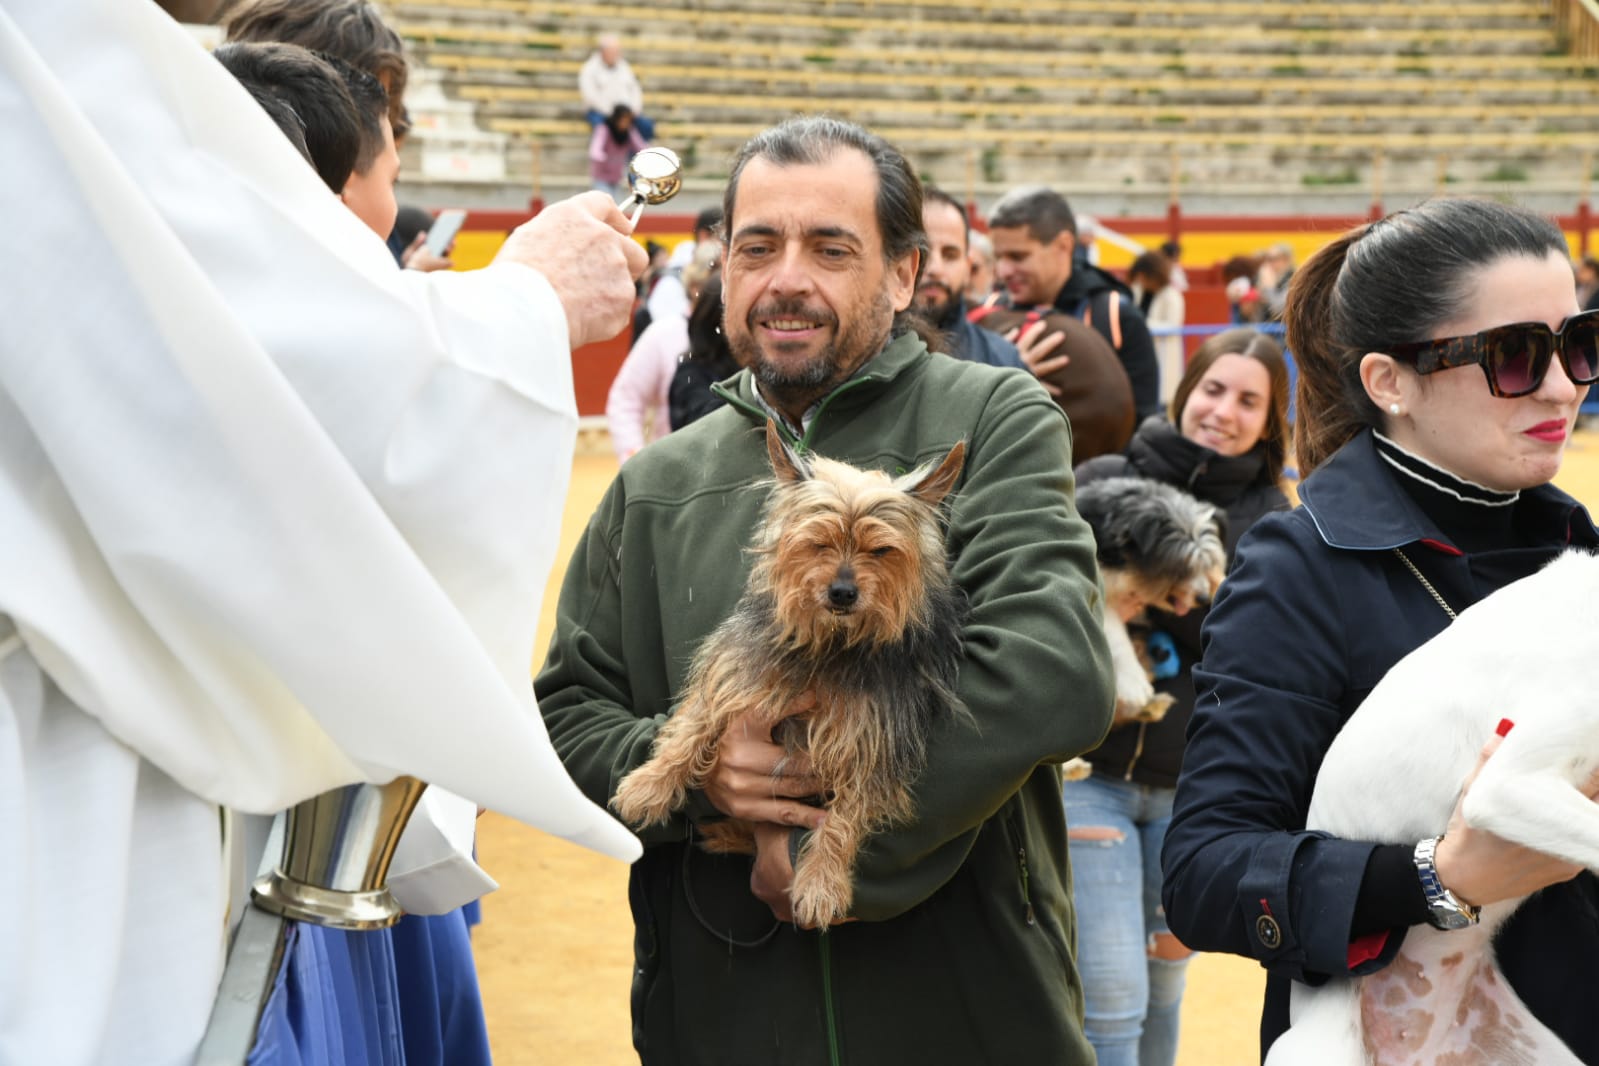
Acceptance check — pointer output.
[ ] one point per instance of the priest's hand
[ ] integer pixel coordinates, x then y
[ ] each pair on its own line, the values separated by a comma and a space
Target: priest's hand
584, 248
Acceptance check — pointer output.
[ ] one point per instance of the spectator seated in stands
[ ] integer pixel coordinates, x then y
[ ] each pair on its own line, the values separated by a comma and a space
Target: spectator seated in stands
614, 142
605, 80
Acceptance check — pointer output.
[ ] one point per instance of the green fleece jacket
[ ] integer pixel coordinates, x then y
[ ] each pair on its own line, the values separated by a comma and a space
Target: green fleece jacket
961, 951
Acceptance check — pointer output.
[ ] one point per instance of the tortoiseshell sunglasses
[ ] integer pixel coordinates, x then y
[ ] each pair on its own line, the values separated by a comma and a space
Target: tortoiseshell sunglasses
1515, 358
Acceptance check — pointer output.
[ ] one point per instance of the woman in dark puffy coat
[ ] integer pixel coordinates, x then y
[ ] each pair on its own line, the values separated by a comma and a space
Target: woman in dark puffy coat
1225, 444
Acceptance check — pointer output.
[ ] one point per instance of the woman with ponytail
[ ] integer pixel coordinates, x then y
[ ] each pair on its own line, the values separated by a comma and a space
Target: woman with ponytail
1442, 359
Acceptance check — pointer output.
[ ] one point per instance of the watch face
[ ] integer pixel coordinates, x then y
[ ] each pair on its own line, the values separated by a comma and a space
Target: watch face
1446, 917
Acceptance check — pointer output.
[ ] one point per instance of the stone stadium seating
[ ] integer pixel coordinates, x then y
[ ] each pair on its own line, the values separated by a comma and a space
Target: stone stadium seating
1271, 98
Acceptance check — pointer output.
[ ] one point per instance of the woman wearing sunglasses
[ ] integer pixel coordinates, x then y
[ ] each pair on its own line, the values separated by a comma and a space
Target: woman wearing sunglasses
1441, 361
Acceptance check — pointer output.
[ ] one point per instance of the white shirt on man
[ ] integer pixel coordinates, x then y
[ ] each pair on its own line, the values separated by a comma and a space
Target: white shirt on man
604, 85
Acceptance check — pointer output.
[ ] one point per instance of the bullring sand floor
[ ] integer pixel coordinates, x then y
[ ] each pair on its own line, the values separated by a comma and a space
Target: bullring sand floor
554, 951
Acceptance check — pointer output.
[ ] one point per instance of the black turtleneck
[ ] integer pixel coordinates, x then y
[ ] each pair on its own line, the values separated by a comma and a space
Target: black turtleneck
1505, 536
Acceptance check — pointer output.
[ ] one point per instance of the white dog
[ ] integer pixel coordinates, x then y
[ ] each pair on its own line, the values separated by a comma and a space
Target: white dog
1393, 775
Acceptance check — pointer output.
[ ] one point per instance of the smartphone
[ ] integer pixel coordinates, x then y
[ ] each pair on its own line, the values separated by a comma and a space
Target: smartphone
442, 233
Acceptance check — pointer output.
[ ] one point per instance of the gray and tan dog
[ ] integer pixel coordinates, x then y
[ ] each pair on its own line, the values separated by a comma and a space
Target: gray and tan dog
1157, 547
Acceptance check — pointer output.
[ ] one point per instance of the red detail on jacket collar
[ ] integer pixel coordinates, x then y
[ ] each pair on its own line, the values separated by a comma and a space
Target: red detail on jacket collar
1441, 546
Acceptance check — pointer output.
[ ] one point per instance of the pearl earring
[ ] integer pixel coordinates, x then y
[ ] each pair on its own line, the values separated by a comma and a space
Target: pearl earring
1393, 409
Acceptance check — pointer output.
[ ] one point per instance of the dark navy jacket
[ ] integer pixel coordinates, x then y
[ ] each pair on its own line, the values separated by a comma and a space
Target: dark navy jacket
1314, 611
1099, 298
974, 344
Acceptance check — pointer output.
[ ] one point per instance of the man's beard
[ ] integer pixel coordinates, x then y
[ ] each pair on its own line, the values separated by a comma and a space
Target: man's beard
852, 345
938, 309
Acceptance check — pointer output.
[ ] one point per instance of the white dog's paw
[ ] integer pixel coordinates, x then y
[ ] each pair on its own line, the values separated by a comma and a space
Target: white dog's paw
1156, 708
1133, 693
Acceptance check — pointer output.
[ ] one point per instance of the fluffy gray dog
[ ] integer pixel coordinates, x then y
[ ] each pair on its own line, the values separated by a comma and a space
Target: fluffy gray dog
1157, 547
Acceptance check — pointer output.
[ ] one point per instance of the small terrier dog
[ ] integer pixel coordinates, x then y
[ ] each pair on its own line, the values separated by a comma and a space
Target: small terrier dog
850, 598
1393, 775
1157, 547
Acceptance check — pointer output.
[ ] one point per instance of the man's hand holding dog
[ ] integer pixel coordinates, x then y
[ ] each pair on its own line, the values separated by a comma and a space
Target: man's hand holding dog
1035, 345
1481, 868
756, 780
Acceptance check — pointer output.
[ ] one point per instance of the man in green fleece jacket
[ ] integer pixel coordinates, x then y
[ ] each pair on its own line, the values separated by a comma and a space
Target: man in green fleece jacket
958, 948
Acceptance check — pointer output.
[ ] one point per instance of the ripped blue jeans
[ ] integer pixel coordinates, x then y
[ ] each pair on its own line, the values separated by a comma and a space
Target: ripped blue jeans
1132, 999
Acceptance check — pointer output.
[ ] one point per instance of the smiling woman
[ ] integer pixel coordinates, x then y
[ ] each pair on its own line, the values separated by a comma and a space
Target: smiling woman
1225, 444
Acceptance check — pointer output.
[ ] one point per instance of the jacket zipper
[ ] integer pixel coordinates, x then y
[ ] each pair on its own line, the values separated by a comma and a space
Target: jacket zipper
1138, 752
804, 443
825, 946
1027, 894
1017, 838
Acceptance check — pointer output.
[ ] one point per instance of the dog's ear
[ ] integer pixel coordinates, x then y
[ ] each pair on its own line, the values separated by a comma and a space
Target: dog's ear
931, 486
786, 463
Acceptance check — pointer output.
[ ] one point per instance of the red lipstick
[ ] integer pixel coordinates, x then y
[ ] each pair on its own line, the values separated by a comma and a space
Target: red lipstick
1553, 431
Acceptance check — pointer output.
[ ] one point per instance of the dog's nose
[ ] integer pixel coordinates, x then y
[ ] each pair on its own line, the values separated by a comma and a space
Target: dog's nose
842, 594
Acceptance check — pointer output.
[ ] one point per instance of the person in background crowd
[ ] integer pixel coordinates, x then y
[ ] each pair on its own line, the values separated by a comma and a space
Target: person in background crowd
1587, 274
636, 409
980, 289
408, 242
668, 297
944, 280
1173, 251
709, 360
1035, 245
1226, 444
307, 98
1441, 366
1244, 302
1272, 277
1161, 303
352, 30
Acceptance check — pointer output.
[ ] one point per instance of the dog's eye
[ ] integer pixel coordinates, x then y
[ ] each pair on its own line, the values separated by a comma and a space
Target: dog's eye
884, 550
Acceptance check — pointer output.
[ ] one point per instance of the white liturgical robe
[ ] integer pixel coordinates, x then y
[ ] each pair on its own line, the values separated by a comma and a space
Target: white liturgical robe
274, 517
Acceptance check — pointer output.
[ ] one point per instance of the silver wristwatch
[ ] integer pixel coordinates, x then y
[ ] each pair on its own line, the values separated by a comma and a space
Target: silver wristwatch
1444, 909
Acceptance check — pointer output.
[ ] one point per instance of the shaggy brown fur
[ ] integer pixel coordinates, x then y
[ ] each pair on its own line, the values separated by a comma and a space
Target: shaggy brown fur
850, 598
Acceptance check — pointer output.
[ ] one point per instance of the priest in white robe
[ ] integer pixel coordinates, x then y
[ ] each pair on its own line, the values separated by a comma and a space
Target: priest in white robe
274, 516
